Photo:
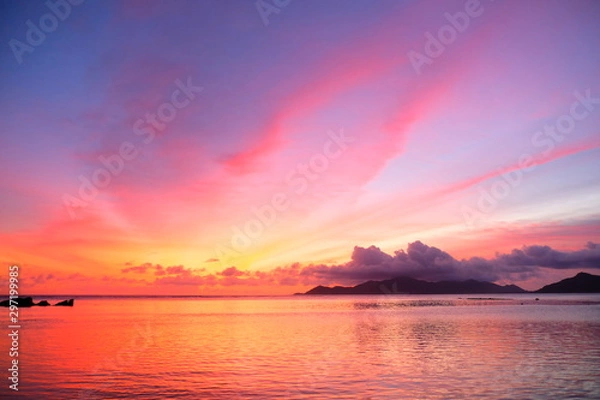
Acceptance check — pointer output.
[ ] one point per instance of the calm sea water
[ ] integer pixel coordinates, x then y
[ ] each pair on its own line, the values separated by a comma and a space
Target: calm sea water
346, 347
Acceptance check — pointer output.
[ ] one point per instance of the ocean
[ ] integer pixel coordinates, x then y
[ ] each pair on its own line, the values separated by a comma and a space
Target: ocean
310, 347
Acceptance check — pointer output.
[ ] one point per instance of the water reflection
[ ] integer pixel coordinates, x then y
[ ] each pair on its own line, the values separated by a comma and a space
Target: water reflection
378, 347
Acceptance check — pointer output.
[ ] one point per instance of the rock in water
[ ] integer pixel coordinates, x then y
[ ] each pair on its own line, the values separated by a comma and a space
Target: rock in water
68, 303
20, 302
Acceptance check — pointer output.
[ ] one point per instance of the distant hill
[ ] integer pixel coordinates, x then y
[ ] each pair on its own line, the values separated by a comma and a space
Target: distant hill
407, 285
580, 283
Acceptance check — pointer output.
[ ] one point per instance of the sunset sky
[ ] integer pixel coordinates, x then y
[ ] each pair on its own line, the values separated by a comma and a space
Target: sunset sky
241, 147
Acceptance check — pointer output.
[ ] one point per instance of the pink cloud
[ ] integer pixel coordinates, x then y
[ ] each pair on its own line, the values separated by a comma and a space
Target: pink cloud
418, 261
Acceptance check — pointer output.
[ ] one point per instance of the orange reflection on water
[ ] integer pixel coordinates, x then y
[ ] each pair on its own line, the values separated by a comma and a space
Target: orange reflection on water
299, 347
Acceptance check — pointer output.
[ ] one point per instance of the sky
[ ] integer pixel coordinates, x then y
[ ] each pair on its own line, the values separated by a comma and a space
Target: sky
240, 147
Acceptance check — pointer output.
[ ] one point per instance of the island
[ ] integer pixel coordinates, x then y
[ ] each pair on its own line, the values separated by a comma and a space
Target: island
580, 283
407, 285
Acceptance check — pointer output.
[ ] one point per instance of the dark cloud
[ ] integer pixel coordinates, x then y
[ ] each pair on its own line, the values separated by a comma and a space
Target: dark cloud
418, 261
545, 256
430, 263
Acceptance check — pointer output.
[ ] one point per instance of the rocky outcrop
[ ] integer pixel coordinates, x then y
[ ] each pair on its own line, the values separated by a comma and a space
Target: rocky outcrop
28, 302
68, 303
19, 302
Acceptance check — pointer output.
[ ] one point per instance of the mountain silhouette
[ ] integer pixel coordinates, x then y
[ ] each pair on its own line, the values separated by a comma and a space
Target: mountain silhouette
406, 285
580, 283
